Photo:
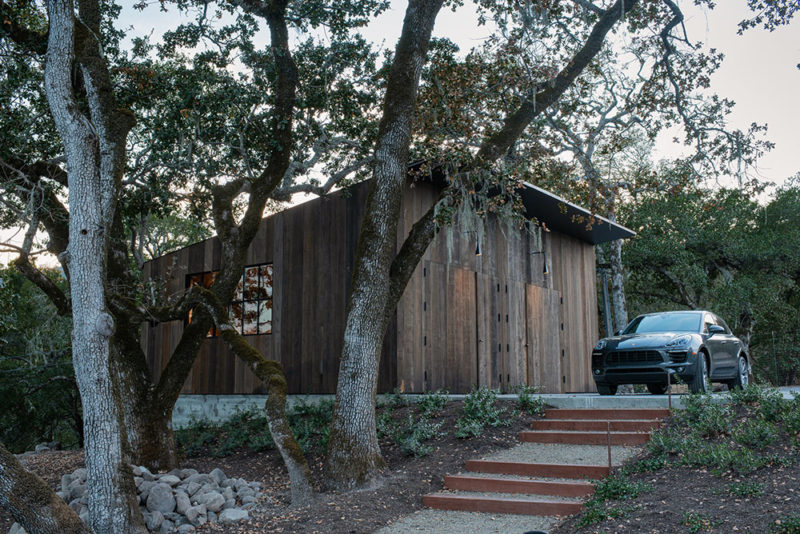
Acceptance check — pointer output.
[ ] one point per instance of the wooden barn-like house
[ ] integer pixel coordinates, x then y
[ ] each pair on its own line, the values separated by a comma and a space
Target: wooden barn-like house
524, 311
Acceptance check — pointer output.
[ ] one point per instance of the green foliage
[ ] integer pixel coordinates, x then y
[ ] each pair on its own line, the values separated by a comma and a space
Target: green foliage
746, 488
411, 433
37, 384
249, 430
698, 522
529, 399
596, 512
433, 402
723, 250
479, 411
758, 419
468, 428
414, 432
617, 487
789, 524
757, 434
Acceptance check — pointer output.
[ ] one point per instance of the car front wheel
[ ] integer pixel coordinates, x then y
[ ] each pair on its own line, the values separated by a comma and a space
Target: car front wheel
699, 382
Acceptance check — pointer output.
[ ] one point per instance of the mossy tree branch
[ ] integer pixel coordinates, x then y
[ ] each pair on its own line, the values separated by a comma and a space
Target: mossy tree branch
271, 373
32, 503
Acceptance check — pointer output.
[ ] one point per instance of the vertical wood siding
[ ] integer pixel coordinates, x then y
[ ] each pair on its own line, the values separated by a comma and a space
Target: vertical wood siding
312, 248
464, 320
528, 327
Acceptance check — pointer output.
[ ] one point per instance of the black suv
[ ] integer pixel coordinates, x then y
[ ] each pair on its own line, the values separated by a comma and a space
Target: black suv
697, 346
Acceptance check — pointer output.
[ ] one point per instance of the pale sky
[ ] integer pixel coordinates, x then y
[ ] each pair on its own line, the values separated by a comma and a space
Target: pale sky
759, 72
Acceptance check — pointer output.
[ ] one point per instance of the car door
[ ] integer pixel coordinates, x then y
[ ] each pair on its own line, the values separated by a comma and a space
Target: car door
729, 349
715, 344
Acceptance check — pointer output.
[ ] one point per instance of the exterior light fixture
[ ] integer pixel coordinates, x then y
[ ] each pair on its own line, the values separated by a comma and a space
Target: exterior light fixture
478, 247
545, 268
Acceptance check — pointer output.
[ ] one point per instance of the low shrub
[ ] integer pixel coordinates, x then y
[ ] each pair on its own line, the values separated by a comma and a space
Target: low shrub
617, 487
412, 435
756, 433
786, 525
746, 488
433, 402
479, 411
596, 512
698, 522
249, 429
529, 399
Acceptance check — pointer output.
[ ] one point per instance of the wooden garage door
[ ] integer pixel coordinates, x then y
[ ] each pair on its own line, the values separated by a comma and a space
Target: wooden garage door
542, 337
500, 318
449, 330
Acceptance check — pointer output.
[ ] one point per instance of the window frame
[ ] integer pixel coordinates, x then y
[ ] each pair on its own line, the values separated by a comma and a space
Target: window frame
239, 298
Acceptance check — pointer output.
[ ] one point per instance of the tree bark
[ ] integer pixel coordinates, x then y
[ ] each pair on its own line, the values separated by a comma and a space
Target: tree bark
618, 282
354, 456
32, 503
271, 373
93, 151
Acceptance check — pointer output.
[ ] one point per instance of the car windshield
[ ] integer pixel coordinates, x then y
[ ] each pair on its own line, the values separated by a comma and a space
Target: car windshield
665, 322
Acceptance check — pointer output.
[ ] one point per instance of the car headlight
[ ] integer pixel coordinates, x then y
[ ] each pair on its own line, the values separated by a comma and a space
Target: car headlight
600, 344
680, 341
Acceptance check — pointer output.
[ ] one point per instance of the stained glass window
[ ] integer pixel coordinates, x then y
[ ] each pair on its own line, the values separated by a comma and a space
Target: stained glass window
250, 311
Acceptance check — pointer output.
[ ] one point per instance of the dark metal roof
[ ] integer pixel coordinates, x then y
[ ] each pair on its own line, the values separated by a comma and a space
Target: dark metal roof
556, 213
567, 218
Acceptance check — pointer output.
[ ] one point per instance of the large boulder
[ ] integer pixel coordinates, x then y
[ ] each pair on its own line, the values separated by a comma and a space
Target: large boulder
161, 499
213, 500
231, 515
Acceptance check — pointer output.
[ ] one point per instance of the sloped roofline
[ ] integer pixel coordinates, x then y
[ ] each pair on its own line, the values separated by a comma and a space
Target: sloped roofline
567, 218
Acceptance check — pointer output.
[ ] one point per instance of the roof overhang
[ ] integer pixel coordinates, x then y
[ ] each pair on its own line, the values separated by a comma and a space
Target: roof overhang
567, 218
556, 213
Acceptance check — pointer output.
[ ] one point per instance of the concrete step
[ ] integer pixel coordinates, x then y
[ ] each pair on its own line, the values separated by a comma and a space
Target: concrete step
585, 438
627, 425
576, 471
500, 505
558, 413
519, 485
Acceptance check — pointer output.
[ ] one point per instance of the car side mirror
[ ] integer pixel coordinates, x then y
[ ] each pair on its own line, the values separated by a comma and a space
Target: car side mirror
715, 329
618, 333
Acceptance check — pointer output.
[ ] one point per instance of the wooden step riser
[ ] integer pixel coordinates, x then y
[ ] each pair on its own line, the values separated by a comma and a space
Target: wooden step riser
578, 472
556, 413
595, 426
500, 506
531, 487
584, 438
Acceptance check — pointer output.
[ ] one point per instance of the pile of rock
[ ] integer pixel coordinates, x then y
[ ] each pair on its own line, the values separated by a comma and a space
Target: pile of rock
177, 501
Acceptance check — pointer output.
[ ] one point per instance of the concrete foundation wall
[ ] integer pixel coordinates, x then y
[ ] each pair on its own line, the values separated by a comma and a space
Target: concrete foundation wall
218, 408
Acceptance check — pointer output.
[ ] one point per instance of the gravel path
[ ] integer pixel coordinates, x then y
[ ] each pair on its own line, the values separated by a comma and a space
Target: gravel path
441, 522
556, 453
447, 522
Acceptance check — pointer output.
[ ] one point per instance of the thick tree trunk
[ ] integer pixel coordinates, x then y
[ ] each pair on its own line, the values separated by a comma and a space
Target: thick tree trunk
354, 456
151, 438
32, 503
147, 420
618, 285
92, 153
